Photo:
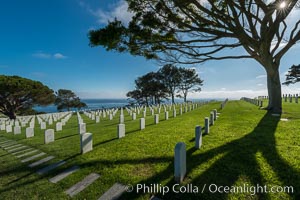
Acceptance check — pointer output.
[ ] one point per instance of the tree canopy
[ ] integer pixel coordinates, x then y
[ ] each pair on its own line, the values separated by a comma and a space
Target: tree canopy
66, 99
293, 75
168, 81
192, 32
18, 95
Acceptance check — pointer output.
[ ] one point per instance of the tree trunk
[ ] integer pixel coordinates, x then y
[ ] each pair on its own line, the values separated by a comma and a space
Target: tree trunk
173, 101
274, 89
184, 96
11, 115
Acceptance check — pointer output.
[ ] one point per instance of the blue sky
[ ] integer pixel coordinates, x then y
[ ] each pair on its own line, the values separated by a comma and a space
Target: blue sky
47, 41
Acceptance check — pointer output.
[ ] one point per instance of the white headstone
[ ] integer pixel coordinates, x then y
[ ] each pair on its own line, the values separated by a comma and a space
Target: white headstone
97, 119
142, 123
133, 116
174, 113
110, 117
198, 137
206, 122
121, 130
43, 125
211, 118
86, 142
81, 128
180, 162
215, 114
121, 119
166, 115
31, 125
29, 132
156, 118
49, 136
58, 126
17, 130
2, 127
8, 128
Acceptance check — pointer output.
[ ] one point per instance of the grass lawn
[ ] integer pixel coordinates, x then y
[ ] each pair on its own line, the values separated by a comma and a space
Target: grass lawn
246, 146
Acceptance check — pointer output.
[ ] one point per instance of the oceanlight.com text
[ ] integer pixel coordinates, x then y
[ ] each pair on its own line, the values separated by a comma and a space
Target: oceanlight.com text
211, 188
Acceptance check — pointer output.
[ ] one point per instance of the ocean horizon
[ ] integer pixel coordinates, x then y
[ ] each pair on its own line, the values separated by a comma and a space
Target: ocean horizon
97, 103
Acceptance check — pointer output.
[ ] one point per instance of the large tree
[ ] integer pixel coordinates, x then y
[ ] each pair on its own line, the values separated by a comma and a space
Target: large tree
66, 99
194, 31
149, 89
170, 77
189, 82
293, 75
18, 95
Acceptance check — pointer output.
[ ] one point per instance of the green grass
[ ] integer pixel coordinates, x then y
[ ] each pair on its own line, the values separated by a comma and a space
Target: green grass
245, 146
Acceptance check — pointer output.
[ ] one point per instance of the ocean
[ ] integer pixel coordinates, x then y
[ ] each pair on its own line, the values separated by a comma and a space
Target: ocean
94, 104
91, 104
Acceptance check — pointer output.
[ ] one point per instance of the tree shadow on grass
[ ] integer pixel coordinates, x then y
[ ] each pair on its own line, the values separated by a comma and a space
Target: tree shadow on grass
233, 163
238, 162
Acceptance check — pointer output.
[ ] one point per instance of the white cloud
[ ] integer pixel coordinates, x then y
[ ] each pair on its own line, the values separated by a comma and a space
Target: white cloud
261, 76
232, 94
118, 10
42, 55
59, 56
49, 56
260, 84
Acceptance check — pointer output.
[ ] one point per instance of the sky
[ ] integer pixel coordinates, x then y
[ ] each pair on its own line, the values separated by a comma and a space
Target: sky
48, 41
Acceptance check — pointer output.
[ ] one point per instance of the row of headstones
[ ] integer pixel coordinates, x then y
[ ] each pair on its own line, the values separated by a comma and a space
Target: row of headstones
180, 148
86, 139
96, 115
224, 103
290, 97
121, 128
54, 117
16, 128
29, 132
256, 102
20, 120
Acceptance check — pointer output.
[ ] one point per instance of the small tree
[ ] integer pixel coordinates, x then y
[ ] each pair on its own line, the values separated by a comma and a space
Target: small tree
66, 99
293, 75
18, 95
189, 82
170, 77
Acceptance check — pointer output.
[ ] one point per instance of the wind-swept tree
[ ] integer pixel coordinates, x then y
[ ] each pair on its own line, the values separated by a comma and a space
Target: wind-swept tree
149, 89
170, 77
66, 99
193, 31
189, 82
18, 95
293, 75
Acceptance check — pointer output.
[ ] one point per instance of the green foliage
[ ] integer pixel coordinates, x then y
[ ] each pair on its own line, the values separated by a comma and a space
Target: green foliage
66, 99
293, 75
171, 78
149, 89
165, 83
19, 94
189, 82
